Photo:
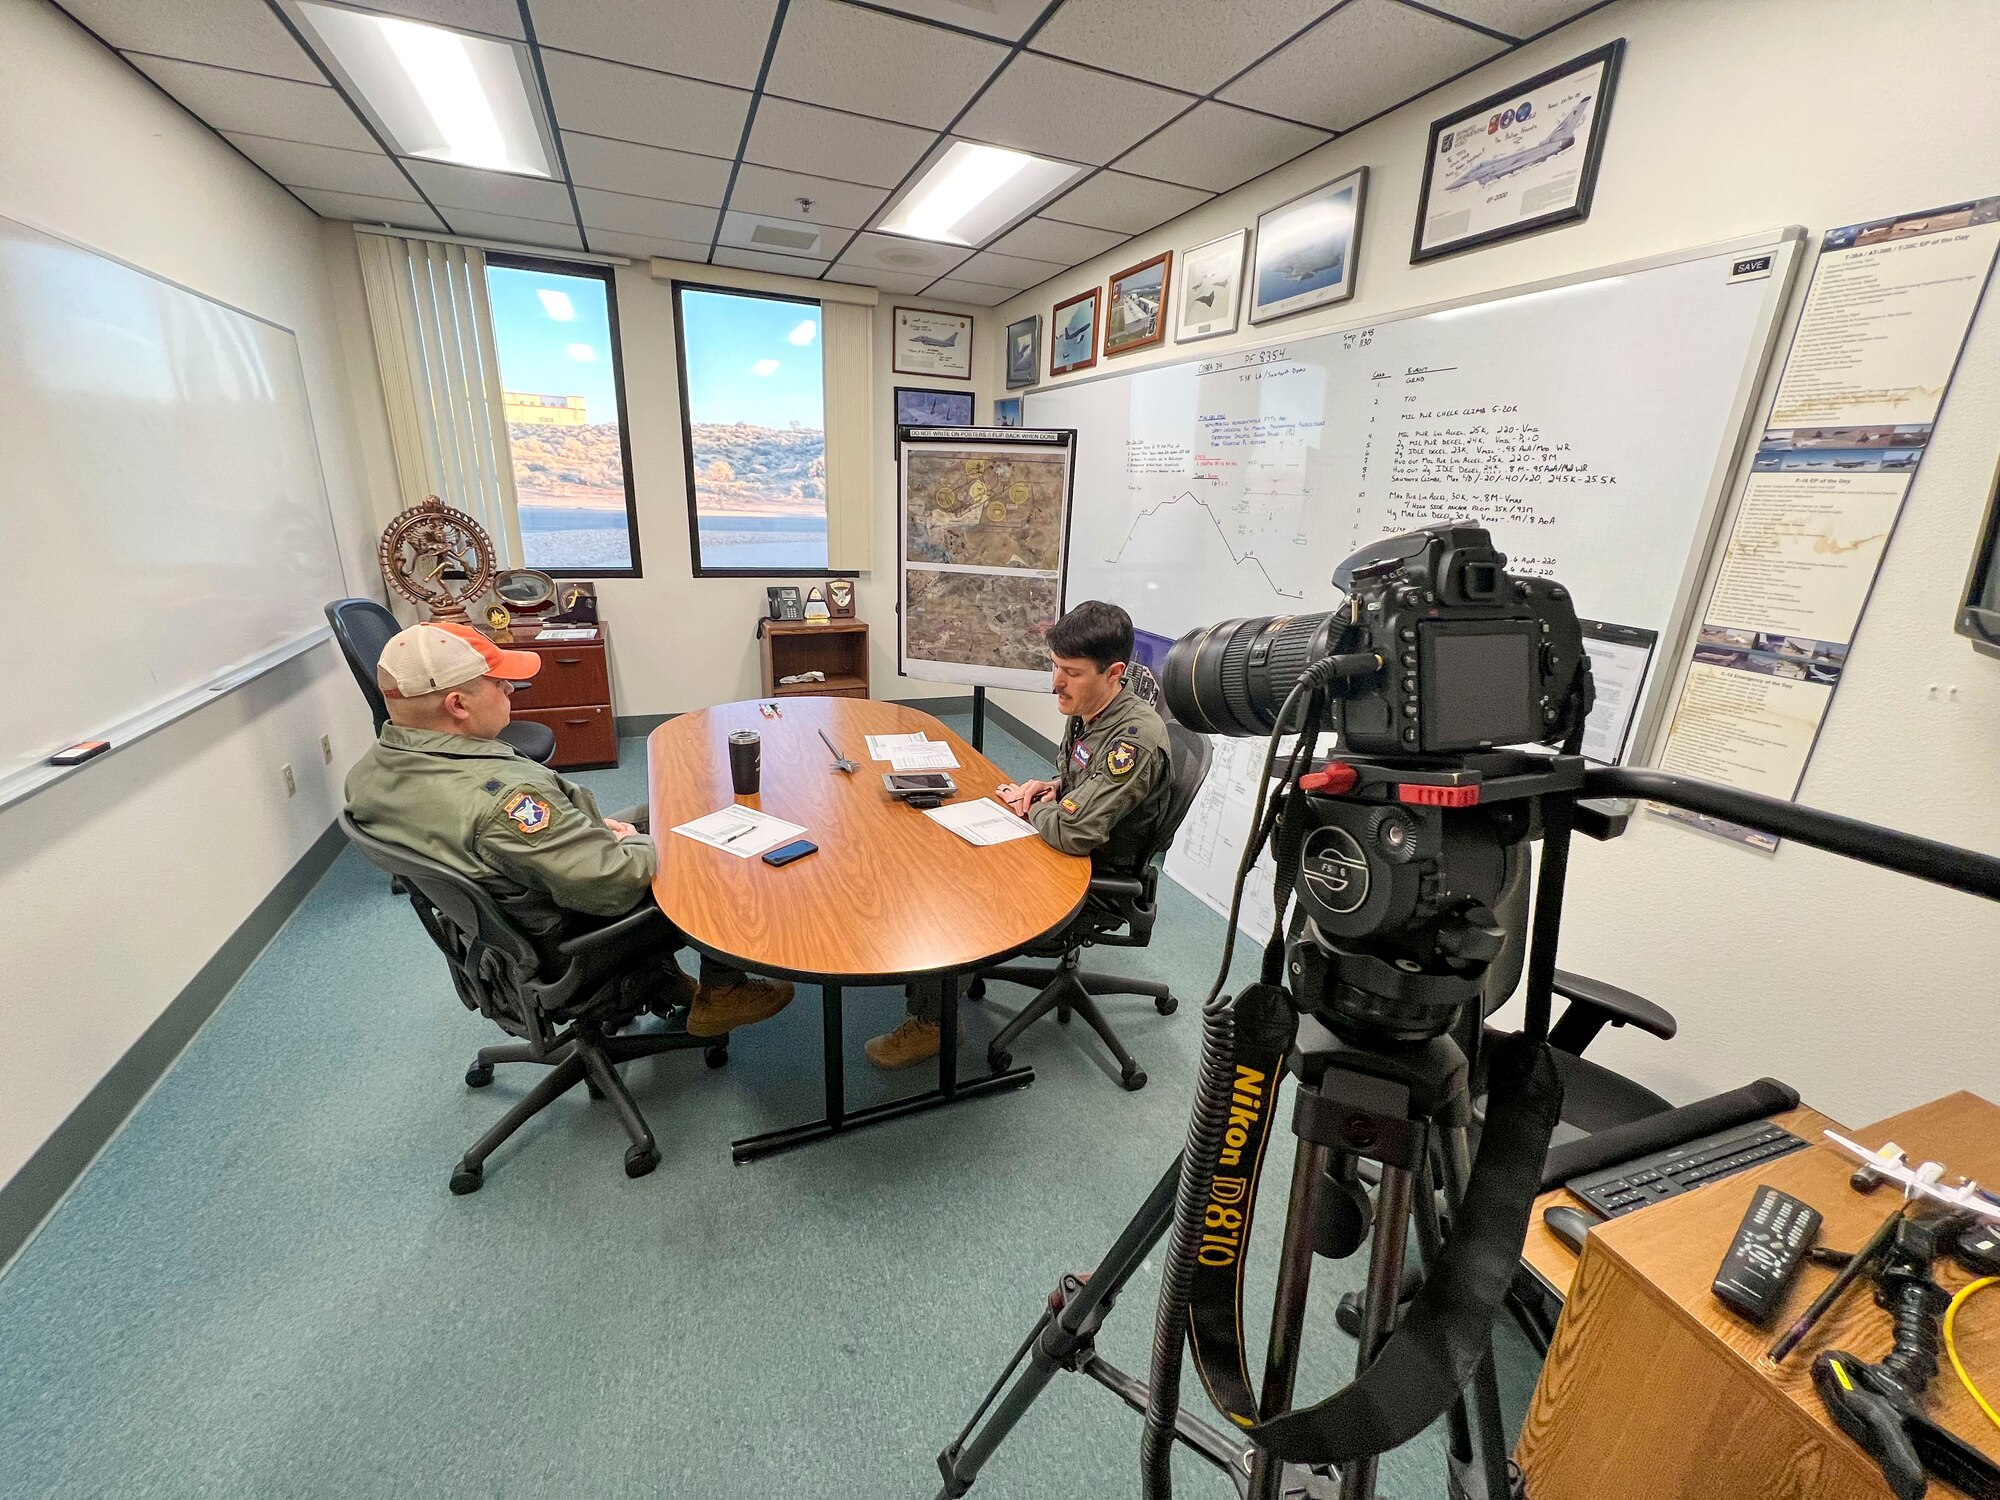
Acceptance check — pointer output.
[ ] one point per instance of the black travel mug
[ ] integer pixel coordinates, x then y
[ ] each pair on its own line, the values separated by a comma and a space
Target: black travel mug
746, 760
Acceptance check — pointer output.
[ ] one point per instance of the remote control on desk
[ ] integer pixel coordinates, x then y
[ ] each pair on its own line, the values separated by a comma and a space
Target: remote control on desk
1773, 1238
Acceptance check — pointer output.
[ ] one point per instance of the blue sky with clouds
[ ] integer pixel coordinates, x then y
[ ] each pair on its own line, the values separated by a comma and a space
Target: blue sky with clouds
752, 359
544, 353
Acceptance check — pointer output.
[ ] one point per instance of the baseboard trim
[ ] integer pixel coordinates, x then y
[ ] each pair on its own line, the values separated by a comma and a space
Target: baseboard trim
1034, 740
638, 724
38, 1189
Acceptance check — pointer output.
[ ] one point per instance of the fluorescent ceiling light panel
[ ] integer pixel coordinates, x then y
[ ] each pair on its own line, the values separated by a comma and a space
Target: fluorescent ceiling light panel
437, 94
972, 192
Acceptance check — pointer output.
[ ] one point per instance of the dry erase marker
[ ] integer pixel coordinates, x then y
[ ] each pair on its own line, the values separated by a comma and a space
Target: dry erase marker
80, 752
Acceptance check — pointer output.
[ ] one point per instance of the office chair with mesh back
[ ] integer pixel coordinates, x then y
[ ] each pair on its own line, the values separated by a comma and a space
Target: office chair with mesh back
564, 998
1119, 912
363, 627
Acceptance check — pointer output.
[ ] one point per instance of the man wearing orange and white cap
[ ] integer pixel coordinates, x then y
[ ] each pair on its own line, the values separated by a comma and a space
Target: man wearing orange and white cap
439, 781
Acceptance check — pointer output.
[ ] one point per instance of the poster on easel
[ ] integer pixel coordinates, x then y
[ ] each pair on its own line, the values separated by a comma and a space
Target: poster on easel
1878, 341
983, 537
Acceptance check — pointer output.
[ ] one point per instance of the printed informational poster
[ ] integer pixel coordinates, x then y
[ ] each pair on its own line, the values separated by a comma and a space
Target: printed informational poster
1878, 340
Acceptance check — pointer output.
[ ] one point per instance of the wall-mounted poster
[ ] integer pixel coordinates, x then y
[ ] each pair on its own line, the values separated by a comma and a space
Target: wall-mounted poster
1518, 160
932, 343
1073, 333
1006, 411
1211, 295
1136, 309
1024, 351
1306, 250
920, 408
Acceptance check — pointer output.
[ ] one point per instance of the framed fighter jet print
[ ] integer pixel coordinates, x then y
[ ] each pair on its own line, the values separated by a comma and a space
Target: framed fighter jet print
1517, 161
932, 343
1306, 249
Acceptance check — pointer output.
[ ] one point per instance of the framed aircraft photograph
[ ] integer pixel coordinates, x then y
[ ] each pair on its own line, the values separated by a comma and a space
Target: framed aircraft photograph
1073, 333
1024, 351
1006, 411
1517, 161
1211, 295
931, 343
1306, 250
920, 408
1135, 315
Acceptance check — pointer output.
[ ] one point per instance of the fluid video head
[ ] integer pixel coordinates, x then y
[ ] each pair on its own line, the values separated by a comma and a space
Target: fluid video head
1473, 657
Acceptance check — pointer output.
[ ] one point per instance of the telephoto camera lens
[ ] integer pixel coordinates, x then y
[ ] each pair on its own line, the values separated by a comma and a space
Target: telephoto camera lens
1233, 677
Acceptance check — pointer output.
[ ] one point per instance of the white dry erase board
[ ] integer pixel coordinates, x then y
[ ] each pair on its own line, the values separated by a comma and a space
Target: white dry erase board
1591, 423
162, 510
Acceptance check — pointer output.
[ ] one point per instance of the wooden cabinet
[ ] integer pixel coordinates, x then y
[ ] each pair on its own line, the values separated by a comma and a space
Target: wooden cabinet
838, 648
571, 694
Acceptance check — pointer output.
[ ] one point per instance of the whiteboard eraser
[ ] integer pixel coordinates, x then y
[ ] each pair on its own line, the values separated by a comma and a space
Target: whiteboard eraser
80, 752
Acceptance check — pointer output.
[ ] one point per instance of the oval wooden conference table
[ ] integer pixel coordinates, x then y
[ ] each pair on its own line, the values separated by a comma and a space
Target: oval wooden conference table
890, 896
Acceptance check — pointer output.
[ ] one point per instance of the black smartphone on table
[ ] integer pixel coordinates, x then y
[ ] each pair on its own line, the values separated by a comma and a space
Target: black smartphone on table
784, 854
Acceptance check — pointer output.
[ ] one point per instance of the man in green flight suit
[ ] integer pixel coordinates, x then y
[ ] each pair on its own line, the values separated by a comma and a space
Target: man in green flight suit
439, 782
1109, 795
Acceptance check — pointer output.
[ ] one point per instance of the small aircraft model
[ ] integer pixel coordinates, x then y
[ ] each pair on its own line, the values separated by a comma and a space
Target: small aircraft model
1559, 139
1892, 1164
930, 343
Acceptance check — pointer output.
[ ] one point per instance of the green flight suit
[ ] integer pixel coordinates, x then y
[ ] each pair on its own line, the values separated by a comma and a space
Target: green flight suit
1112, 787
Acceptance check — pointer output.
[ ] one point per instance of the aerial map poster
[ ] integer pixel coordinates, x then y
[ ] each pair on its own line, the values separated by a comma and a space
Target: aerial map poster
982, 544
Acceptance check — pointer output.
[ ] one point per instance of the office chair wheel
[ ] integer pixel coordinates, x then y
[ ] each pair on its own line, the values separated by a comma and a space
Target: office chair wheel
639, 1160
715, 1057
1133, 1079
1166, 1005
999, 1061
976, 989
477, 1077
466, 1179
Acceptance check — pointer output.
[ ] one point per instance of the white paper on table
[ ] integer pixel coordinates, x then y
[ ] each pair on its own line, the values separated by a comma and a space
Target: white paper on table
981, 822
931, 755
883, 746
741, 831
582, 633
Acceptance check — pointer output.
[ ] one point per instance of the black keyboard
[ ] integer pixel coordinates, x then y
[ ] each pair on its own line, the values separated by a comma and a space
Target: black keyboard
1665, 1174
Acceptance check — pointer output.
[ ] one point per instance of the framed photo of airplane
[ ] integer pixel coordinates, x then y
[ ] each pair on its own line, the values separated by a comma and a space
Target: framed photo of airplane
1135, 314
1073, 333
1517, 161
932, 343
1211, 297
1306, 249
1024, 351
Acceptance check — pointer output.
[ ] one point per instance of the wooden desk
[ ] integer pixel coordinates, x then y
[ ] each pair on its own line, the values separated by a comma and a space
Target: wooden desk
890, 896
1654, 1391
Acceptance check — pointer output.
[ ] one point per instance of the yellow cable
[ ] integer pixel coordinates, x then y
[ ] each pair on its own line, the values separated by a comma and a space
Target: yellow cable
1951, 1345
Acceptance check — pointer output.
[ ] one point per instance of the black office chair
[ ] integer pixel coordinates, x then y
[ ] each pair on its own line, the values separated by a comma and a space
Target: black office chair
363, 627
565, 999
1119, 912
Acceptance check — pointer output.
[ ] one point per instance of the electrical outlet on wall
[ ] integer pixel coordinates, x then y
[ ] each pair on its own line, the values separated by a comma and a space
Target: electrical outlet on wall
326, 748
291, 782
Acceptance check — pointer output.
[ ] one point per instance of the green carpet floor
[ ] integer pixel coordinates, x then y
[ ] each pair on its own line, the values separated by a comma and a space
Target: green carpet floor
263, 1287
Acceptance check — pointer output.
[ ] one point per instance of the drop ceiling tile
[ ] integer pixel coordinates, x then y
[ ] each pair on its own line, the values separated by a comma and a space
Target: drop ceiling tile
643, 246
971, 293
885, 252
826, 143
1009, 270
1216, 147
904, 282
872, 64
1006, 19
1058, 109
228, 33
1120, 201
648, 171
296, 164
1186, 44
532, 233
1521, 18
256, 105
1053, 240
765, 190
1368, 56
696, 38
655, 109
763, 260
367, 210
491, 192
780, 236
629, 215
494, 17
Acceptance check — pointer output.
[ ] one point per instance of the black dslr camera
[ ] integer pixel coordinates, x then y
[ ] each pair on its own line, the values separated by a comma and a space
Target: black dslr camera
1473, 657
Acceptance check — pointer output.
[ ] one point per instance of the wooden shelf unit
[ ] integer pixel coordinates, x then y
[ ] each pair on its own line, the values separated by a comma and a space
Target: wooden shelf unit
838, 648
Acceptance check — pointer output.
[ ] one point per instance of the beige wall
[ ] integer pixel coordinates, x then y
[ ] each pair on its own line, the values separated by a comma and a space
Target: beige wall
1866, 991
119, 883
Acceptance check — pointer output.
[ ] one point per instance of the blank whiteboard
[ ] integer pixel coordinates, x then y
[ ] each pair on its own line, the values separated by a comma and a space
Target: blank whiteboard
163, 514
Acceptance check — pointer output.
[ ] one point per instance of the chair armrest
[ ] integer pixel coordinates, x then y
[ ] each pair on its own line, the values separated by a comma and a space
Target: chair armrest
638, 923
1125, 887
1593, 1003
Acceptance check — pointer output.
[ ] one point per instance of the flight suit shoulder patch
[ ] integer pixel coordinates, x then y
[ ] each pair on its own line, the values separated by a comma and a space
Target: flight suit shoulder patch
527, 812
1123, 757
